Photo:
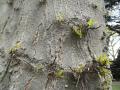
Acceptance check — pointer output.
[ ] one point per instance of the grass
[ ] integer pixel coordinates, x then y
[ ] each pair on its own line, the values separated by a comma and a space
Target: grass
116, 86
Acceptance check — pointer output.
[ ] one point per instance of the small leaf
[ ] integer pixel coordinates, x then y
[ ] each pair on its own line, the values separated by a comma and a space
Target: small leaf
77, 31
18, 45
104, 71
59, 73
90, 23
14, 48
103, 60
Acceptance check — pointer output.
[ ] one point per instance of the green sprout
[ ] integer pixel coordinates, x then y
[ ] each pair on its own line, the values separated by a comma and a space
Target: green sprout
90, 23
79, 30
105, 76
104, 72
16, 47
103, 60
59, 74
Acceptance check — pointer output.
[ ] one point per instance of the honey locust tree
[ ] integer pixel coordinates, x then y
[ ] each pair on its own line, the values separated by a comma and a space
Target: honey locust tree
52, 45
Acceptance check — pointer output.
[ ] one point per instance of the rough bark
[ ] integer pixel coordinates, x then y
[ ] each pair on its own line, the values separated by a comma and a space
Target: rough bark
33, 23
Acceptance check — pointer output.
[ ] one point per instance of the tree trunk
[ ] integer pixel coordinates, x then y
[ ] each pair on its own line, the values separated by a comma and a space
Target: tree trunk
38, 25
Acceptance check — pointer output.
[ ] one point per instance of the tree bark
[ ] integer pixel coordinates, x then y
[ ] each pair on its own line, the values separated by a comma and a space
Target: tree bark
44, 39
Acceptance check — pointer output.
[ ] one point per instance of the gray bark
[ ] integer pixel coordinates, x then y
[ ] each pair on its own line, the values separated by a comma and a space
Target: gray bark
33, 23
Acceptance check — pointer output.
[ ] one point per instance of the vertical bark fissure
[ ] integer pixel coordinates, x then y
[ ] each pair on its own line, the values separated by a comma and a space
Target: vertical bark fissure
5, 24
88, 46
36, 39
80, 48
7, 69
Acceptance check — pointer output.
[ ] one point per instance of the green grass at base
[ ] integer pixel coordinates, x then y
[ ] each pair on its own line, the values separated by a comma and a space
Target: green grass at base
115, 87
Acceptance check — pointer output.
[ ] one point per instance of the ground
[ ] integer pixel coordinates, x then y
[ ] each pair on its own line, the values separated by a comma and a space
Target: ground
116, 86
